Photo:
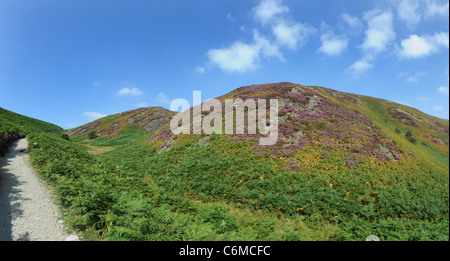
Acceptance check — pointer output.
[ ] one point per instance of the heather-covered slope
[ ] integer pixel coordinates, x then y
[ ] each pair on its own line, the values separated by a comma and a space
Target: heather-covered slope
345, 166
320, 121
139, 121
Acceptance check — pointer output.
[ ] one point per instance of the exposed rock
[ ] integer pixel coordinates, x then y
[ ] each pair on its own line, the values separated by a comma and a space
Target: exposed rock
85, 128
155, 123
402, 116
131, 120
438, 140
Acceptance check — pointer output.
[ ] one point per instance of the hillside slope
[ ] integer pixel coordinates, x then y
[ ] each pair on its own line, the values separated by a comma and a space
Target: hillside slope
322, 121
13, 126
345, 166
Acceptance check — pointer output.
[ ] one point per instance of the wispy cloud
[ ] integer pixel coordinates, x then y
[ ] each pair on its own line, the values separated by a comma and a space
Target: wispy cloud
444, 90
409, 12
423, 99
93, 115
352, 24
140, 105
412, 76
97, 83
359, 67
438, 108
241, 57
436, 9
413, 12
378, 36
200, 69
162, 98
72, 125
133, 91
267, 10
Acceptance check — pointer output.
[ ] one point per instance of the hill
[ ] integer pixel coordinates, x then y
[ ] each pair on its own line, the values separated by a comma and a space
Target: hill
13, 126
312, 119
345, 166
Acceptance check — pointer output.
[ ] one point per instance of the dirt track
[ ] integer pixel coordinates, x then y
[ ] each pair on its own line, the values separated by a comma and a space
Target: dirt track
27, 212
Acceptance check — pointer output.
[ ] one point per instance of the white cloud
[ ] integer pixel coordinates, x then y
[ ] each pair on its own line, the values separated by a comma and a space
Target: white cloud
333, 44
352, 21
162, 97
408, 11
241, 57
415, 46
93, 115
412, 12
443, 90
267, 10
292, 36
360, 67
441, 39
380, 32
418, 46
353, 24
436, 9
133, 91
267, 48
378, 36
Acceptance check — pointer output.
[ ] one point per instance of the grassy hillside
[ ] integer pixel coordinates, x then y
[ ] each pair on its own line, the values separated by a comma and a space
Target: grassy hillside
11, 122
13, 126
345, 166
113, 126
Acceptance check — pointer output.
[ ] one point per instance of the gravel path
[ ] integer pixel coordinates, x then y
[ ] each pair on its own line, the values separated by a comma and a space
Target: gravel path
27, 212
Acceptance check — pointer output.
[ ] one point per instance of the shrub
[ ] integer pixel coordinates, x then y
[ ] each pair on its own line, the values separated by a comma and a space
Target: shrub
410, 138
92, 135
65, 136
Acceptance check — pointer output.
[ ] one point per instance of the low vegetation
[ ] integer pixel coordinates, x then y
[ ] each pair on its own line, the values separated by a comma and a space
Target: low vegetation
349, 167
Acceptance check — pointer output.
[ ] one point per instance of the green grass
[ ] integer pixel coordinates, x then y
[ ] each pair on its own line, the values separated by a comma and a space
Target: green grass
225, 192
113, 197
130, 134
11, 122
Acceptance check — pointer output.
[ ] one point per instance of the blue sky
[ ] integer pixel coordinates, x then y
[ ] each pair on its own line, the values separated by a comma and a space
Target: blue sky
70, 62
